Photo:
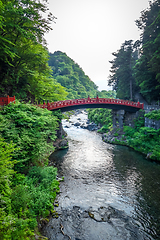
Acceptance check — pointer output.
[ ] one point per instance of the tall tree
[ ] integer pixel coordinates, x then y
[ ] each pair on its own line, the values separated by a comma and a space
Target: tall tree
147, 69
121, 71
24, 69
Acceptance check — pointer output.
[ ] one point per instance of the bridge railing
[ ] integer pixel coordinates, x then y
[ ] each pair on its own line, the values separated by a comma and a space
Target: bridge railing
73, 102
6, 100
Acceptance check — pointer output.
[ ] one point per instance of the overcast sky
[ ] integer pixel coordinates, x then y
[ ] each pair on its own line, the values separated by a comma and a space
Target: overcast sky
88, 31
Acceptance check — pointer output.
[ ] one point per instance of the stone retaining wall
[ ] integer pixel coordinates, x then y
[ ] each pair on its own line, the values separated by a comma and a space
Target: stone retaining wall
121, 117
152, 123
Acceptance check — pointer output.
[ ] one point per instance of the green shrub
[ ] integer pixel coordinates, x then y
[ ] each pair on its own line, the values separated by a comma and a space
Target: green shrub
100, 115
153, 115
104, 129
6, 172
145, 140
29, 128
29, 193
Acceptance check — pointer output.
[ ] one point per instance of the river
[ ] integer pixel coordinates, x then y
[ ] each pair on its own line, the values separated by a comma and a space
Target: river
109, 192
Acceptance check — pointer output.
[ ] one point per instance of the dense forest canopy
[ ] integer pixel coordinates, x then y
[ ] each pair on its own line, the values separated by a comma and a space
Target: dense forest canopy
135, 67
70, 75
24, 69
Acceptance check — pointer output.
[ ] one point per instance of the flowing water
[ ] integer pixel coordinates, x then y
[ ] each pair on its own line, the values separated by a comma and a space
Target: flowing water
109, 192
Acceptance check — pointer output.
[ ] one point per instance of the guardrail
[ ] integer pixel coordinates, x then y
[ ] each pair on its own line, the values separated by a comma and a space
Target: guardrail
6, 100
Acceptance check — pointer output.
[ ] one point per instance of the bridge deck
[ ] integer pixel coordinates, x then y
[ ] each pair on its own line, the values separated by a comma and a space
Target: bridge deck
68, 105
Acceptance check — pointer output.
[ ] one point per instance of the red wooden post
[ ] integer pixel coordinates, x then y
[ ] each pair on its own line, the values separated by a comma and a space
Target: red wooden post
48, 105
8, 100
43, 104
97, 98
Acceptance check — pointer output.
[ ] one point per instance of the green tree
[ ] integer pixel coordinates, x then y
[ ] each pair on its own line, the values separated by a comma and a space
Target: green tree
147, 70
24, 66
121, 77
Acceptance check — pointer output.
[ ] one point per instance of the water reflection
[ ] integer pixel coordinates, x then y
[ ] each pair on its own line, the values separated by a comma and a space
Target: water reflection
144, 188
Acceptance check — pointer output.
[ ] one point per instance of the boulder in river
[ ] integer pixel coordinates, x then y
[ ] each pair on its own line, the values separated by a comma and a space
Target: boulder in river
92, 127
84, 126
77, 124
67, 126
87, 122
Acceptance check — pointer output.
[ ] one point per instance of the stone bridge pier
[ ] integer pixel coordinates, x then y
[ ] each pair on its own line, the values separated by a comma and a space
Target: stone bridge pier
122, 117
118, 118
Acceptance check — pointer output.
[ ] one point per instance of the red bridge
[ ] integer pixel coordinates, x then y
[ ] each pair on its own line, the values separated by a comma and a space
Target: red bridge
97, 102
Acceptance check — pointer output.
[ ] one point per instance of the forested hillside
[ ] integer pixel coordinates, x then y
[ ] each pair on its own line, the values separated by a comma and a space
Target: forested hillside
70, 75
135, 66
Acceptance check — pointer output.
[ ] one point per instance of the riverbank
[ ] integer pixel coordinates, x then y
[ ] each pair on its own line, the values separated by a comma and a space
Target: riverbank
140, 137
144, 140
28, 186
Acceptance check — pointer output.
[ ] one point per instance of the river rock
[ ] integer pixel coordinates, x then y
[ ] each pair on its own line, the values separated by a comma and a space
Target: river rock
92, 127
67, 126
63, 143
77, 124
84, 126
60, 144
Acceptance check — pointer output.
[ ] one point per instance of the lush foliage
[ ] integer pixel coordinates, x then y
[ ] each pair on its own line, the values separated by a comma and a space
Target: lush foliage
24, 70
27, 186
102, 116
70, 75
6, 172
147, 72
135, 67
145, 140
32, 198
30, 128
106, 94
153, 115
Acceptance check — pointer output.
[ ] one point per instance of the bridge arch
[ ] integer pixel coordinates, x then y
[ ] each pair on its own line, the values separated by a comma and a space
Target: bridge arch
116, 104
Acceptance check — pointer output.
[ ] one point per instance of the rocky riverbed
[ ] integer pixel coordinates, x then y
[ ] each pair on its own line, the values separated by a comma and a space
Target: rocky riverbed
103, 223
83, 123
